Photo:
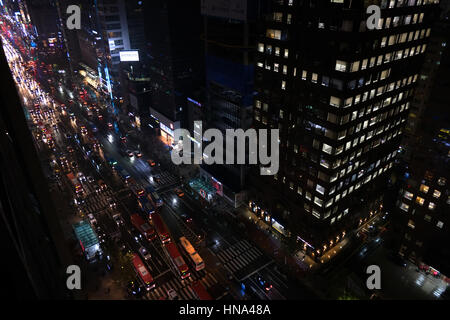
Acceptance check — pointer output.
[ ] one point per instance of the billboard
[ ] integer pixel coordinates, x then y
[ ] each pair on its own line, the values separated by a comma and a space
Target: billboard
129, 55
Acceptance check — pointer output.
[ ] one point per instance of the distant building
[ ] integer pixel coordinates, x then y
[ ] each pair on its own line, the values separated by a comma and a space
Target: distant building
173, 30
423, 206
230, 33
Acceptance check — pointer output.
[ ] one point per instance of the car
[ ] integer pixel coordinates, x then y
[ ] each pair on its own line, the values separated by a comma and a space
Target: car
92, 219
123, 139
110, 125
186, 218
144, 253
102, 185
90, 179
138, 154
151, 163
179, 192
398, 260
97, 188
117, 217
130, 153
74, 164
172, 294
78, 201
112, 203
266, 285
67, 136
70, 149
81, 177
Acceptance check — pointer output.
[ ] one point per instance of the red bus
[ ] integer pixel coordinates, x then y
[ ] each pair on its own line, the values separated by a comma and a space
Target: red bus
177, 260
76, 185
143, 227
144, 276
161, 228
200, 291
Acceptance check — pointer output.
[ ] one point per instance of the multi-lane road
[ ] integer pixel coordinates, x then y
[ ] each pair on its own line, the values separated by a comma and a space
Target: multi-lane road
73, 132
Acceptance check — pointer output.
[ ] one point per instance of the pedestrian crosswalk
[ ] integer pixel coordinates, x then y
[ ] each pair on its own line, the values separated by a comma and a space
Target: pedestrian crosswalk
93, 201
182, 287
164, 178
238, 256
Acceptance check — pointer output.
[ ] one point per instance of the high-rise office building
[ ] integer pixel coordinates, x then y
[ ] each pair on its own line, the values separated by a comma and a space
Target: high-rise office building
230, 34
340, 95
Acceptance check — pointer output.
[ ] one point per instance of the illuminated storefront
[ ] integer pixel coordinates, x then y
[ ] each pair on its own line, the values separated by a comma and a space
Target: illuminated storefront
166, 126
166, 134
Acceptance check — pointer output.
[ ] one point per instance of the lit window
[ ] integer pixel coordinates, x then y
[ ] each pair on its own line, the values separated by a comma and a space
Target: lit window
320, 189
286, 53
440, 224
277, 51
442, 181
424, 188
273, 34
436, 193
408, 195
341, 65
420, 201
431, 205
283, 85
261, 47
318, 201
404, 207
411, 224
335, 101
327, 148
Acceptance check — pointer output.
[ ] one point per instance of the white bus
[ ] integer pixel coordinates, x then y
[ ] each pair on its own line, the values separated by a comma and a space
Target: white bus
193, 255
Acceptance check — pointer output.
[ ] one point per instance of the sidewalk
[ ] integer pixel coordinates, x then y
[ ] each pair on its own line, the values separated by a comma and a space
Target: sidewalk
270, 242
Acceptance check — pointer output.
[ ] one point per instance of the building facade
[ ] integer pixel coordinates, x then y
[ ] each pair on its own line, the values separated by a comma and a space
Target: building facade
340, 95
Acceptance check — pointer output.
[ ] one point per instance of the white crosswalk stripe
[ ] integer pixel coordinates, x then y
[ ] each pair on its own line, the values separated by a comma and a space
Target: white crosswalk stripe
238, 256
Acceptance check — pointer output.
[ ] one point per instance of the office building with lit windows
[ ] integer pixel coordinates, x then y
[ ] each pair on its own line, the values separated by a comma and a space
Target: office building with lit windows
340, 95
423, 204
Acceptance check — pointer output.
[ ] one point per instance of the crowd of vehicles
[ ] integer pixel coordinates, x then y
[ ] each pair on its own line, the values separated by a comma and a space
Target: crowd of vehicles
76, 136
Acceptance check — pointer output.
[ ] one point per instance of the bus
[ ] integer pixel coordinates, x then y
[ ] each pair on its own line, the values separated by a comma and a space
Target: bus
147, 207
193, 255
76, 185
143, 227
154, 197
161, 228
177, 260
144, 276
200, 292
